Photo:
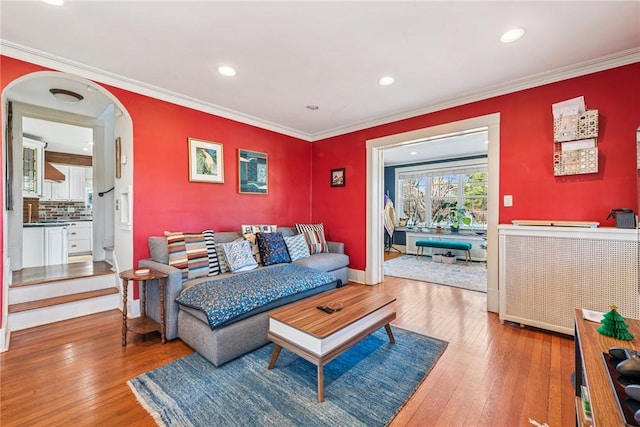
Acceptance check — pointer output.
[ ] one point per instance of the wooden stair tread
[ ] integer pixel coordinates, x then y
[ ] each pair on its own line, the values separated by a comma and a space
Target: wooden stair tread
48, 302
55, 273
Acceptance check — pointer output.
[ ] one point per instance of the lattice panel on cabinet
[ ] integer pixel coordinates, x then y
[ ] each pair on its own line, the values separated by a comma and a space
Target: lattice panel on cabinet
546, 278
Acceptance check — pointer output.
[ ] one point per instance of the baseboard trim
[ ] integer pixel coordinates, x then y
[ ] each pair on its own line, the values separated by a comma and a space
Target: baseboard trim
5, 335
356, 276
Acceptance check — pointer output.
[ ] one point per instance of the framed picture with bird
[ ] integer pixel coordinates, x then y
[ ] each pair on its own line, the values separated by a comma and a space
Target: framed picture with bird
206, 162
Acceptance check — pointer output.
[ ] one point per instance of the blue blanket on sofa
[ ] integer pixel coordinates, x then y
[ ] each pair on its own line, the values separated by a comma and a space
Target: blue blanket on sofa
225, 299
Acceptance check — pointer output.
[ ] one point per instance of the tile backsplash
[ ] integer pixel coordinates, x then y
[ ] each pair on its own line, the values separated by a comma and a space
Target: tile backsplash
55, 210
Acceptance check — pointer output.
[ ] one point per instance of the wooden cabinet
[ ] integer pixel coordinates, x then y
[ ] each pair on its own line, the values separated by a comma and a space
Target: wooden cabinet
591, 371
80, 238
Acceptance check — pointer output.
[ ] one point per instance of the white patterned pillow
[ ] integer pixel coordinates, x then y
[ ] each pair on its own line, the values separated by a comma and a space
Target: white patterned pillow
239, 256
297, 247
314, 235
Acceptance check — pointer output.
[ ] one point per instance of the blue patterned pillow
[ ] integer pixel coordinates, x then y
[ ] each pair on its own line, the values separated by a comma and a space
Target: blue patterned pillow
297, 247
239, 256
272, 248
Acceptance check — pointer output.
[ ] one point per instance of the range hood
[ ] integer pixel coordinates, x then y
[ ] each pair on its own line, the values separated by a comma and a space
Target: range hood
52, 174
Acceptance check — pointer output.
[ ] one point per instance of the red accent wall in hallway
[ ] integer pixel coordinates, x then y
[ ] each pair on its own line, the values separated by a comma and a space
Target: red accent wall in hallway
526, 157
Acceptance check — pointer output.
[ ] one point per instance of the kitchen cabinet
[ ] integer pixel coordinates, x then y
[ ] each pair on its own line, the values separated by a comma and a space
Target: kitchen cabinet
32, 168
32, 247
44, 244
80, 237
72, 188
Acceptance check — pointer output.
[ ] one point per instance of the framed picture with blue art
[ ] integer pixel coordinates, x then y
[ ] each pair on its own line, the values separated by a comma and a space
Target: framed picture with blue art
253, 172
206, 162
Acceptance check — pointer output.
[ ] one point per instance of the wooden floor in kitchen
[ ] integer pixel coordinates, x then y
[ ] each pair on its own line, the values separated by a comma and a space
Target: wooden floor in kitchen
75, 372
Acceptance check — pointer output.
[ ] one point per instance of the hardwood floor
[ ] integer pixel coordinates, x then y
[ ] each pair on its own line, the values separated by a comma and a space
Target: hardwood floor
75, 372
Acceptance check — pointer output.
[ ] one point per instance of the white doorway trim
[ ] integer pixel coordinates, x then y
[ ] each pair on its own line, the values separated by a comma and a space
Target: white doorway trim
375, 174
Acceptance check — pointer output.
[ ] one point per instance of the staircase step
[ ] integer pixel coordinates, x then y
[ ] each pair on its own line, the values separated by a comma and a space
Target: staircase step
48, 302
61, 288
53, 273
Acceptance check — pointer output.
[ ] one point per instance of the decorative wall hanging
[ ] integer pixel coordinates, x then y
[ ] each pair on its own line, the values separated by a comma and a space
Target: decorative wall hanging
253, 172
206, 162
338, 178
575, 132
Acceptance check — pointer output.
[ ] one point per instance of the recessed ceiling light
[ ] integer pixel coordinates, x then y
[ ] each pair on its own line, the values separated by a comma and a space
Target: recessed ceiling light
226, 71
312, 107
512, 35
386, 80
54, 2
85, 149
66, 95
90, 142
414, 153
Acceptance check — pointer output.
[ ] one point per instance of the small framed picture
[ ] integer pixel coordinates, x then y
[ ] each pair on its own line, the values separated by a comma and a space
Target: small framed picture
338, 178
206, 162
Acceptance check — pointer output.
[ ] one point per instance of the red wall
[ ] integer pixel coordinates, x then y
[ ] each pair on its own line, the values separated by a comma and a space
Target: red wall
526, 157
165, 199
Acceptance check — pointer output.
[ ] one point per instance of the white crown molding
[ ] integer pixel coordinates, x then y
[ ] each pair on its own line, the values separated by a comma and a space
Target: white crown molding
65, 65
580, 69
54, 62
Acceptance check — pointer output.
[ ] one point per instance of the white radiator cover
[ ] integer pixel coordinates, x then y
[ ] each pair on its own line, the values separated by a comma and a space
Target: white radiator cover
547, 272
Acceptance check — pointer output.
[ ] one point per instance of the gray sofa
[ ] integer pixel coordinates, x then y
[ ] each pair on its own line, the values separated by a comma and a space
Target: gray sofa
223, 344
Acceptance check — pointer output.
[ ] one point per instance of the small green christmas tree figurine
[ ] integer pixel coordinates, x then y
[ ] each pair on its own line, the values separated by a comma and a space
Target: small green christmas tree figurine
613, 325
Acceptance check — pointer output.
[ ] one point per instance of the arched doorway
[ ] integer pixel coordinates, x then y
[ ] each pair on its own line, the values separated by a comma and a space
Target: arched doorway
99, 110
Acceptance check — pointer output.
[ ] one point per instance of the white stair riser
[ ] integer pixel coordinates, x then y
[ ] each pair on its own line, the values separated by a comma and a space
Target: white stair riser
56, 313
64, 287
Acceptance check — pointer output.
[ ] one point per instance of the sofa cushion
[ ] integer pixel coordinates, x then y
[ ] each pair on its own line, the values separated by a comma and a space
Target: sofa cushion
188, 252
272, 248
212, 254
222, 259
249, 233
325, 261
239, 256
297, 247
314, 235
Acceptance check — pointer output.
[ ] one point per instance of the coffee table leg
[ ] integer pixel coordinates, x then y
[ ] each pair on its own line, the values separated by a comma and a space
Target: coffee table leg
274, 356
387, 327
320, 383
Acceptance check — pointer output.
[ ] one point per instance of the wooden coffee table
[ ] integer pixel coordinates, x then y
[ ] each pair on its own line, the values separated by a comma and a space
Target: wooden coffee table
320, 337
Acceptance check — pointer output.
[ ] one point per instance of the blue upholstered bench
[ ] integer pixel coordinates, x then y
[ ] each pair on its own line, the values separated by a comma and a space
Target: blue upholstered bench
445, 244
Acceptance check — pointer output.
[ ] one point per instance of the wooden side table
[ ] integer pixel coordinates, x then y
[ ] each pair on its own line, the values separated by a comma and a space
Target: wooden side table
143, 324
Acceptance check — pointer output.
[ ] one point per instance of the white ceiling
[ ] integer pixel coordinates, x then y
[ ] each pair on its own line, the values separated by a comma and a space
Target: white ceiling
331, 54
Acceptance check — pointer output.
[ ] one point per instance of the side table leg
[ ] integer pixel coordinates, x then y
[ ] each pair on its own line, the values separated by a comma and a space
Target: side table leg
163, 326
125, 285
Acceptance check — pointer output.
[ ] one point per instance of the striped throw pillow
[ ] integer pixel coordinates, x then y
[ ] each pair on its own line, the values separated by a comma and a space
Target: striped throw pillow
314, 235
188, 252
297, 247
212, 254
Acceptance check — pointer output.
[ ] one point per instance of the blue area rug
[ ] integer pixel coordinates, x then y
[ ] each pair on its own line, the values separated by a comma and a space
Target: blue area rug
365, 386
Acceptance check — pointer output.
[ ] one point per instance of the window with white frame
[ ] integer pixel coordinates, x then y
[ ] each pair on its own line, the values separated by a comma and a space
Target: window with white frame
423, 191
